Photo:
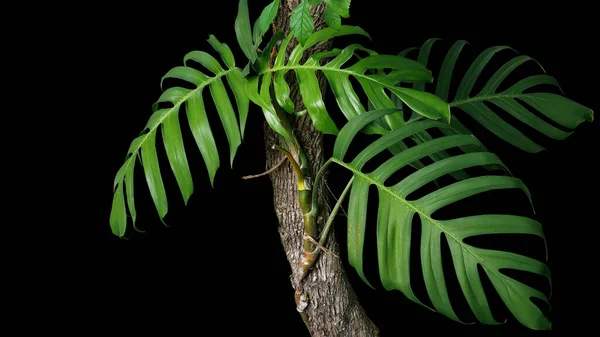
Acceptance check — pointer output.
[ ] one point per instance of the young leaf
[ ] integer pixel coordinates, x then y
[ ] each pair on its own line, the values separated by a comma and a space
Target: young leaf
301, 22
342, 7
243, 31
266, 18
332, 19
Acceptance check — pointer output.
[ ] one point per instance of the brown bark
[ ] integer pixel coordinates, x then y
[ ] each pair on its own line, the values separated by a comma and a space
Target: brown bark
333, 308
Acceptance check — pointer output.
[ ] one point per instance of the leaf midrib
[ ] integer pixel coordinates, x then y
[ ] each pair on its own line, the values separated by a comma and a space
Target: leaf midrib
325, 68
487, 98
420, 212
176, 105
355, 74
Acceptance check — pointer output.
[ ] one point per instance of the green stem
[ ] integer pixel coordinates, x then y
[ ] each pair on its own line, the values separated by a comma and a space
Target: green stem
297, 170
315, 198
334, 211
305, 197
328, 225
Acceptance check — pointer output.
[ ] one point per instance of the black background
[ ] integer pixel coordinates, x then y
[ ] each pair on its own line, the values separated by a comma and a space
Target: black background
219, 268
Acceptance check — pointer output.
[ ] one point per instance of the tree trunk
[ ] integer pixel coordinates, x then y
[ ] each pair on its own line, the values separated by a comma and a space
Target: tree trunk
332, 306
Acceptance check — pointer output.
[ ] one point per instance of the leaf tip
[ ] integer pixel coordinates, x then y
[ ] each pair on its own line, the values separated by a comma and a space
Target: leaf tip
187, 196
137, 229
529, 58
447, 116
590, 116
510, 48
364, 33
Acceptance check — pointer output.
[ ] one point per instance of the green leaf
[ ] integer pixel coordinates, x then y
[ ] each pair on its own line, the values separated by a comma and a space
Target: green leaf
280, 85
513, 101
120, 174
342, 7
130, 189
388, 61
172, 95
278, 36
268, 110
443, 84
406, 51
223, 50
256, 35
313, 101
301, 22
144, 147
237, 83
424, 103
202, 133
227, 115
396, 210
118, 217
466, 85
553, 106
265, 19
314, 2
153, 176
423, 58
243, 31
204, 59
265, 56
378, 87
332, 18
328, 33
173, 141
487, 118
187, 74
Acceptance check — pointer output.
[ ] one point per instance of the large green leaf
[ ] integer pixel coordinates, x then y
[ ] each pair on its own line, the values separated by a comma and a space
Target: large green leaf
168, 121
377, 87
396, 211
555, 107
423, 136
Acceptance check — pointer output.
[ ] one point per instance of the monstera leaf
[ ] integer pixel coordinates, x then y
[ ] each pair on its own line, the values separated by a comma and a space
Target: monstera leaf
396, 211
377, 87
518, 100
167, 120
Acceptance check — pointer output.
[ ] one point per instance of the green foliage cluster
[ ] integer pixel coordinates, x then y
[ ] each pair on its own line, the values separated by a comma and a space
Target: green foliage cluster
394, 115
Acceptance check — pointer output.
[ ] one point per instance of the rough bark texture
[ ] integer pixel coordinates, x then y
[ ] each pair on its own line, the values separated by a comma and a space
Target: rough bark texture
333, 308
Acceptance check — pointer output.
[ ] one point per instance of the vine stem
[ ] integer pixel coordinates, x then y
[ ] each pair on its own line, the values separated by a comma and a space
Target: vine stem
305, 196
328, 224
295, 166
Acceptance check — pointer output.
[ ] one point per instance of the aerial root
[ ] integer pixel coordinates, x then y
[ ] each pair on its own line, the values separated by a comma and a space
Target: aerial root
266, 172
